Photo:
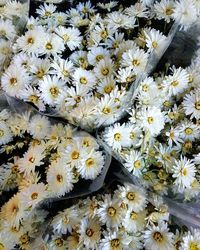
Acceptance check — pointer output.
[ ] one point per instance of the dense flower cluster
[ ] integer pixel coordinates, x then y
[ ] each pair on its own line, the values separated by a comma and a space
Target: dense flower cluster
124, 219
160, 141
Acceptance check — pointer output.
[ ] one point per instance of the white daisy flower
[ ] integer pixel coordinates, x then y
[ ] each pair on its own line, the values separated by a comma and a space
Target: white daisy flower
62, 68
108, 6
164, 9
106, 85
96, 54
110, 212
7, 29
60, 178
191, 241
136, 59
137, 10
32, 158
74, 153
65, 221
33, 194
183, 172
177, 82
71, 36
39, 127
189, 131
125, 75
39, 68
91, 165
133, 196
90, 233
104, 68
52, 44
158, 237
118, 20
191, 104
84, 77
151, 120
134, 163
5, 133
50, 88
185, 13
57, 243
14, 79
46, 10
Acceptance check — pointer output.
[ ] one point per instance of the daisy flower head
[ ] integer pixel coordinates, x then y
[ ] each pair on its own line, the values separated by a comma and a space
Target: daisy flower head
191, 104
185, 13
39, 127
90, 233
91, 165
158, 237
5, 133
183, 173
104, 68
60, 178
134, 163
46, 10
84, 77
164, 9
96, 54
51, 44
7, 29
189, 131
152, 120
62, 68
191, 241
133, 196
57, 243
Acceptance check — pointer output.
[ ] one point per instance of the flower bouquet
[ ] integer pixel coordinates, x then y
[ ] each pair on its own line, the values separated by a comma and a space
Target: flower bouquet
84, 63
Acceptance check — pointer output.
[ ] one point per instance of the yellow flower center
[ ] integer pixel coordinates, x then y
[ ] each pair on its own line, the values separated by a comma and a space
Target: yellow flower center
132, 135
133, 215
105, 71
2, 33
32, 159
129, 79
49, 46
130, 196
108, 89
194, 246
13, 81
59, 242
78, 98
1, 133
154, 44
190, 78
167, 104
66, 220
197, 105
106, 110
86, 143
66, 37
104, 34
136, 62
34, 196
188, 131
47, 13
59, 178
83, 80
145, 87
111, 211
137, 164
15, 169
2, 246
99, 58
54, 91
115, 243
30, 40
169, 11
89, 232
65, 73
150, 119
184, 172
174, 83
89, 162
40, 73
166, 157
117, 137
24, 239
33, 98
115, 45
158, 237
75, 155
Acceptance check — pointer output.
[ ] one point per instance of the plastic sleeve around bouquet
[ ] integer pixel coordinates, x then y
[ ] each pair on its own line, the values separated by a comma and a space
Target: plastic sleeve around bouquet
82, 187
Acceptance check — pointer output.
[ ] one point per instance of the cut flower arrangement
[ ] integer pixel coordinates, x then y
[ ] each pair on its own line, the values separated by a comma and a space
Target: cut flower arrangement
83, 63
159, 142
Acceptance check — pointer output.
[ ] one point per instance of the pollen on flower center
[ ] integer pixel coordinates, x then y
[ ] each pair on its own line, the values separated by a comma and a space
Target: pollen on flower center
83, 80
174, 83
99, 58
54, 91
59, 242
193, 246
136, 62
30, 40
137, 164
108, 89
34, 196
104, 34
158, 236
89, 232
78, 98
184, 172
65, 73
32, 159
33, 98
197, 105
59, 178
75, 155
89, 162
145, 87
66, 37
24, 239
15, 209
13, 81
130, 196
150, 119
1, 133
169, 11
115, 243
133, 215
154, 44
47, 13
111, 211
49, 46
66, 220
188, 131
117, 137
106, 110
15, 169
190, 78
40, 73
105, 71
